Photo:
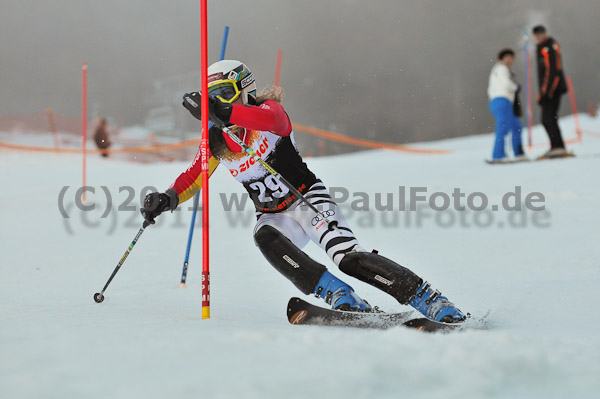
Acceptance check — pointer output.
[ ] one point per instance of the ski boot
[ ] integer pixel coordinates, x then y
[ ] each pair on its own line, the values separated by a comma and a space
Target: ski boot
434, 306
339, 294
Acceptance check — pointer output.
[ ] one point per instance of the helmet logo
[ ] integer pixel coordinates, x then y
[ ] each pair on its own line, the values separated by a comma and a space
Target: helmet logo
215, 76
232, 75
247, 81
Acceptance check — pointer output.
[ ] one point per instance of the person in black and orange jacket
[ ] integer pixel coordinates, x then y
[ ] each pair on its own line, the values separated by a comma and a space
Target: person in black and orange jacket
284, 223
552, 86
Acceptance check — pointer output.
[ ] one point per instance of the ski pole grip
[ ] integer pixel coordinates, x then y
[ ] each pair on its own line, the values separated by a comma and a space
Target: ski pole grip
219, 123
145, 224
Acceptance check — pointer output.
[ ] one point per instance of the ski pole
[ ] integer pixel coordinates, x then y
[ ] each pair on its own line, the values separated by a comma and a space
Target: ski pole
186, 261
252, 153
99, 296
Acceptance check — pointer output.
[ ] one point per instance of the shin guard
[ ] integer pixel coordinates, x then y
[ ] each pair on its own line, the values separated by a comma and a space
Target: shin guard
382, 273
288, 259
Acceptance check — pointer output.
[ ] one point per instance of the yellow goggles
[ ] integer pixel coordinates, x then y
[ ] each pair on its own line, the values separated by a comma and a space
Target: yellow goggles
225, 90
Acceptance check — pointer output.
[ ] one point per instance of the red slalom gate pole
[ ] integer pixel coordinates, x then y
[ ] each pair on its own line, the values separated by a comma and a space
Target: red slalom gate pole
574, 108
278, 67
204, 161
529, 101
84, 68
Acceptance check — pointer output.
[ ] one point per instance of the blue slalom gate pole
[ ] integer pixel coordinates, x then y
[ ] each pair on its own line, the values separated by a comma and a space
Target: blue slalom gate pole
224, 43
189, 243
197, 196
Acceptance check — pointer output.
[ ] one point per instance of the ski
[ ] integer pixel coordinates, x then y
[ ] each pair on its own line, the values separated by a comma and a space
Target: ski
301, 312
507, 161
543, 157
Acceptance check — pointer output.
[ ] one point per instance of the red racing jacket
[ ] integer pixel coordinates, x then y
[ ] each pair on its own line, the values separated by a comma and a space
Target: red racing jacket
268, 131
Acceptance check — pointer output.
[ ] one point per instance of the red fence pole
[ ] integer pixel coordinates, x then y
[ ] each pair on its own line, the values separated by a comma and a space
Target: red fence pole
529, 101
52, 125
204, 161
574, 108
278, 67
84, 68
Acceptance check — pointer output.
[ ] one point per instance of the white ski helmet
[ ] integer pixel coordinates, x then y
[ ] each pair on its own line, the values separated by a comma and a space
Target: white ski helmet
230, 79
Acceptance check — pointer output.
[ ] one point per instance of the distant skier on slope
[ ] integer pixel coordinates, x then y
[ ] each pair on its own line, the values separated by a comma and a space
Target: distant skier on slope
101, 137
552, 84
284, 223
503, 94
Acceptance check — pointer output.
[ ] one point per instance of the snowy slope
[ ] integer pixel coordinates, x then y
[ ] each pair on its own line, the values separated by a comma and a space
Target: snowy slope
147, 340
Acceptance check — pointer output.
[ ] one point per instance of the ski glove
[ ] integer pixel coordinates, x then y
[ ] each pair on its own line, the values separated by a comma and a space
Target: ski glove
219, 112
157, 203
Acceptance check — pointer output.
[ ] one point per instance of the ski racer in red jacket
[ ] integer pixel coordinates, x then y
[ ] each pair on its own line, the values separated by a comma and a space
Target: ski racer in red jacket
285, 224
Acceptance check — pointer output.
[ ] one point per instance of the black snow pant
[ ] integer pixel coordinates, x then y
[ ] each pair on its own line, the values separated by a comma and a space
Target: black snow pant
550, 121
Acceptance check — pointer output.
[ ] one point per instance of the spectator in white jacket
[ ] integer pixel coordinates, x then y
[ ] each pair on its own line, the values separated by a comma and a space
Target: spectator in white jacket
502, 94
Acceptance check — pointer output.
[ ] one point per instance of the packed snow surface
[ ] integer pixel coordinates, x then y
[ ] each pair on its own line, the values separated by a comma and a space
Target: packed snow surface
538, 272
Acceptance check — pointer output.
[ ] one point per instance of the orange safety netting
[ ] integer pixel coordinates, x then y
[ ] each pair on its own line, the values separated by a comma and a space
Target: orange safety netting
368, 143
25, 147
567, 142
37, 121
593, 134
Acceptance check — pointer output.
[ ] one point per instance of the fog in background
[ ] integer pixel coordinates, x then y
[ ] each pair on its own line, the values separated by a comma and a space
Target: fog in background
398, 71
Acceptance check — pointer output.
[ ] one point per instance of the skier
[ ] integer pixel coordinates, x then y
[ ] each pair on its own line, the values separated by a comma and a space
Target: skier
502, 92
552, 84
284, 223
101, 137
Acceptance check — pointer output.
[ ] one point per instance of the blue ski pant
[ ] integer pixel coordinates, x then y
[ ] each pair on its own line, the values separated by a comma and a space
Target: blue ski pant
506, 121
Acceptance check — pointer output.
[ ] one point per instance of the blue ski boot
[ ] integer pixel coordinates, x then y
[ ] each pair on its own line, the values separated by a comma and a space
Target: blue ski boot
434, 306
339, 294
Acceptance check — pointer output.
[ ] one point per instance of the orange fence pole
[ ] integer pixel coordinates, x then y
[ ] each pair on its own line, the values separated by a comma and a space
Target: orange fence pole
84, 68
52, 125
278, 67
529, 100
574, 108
